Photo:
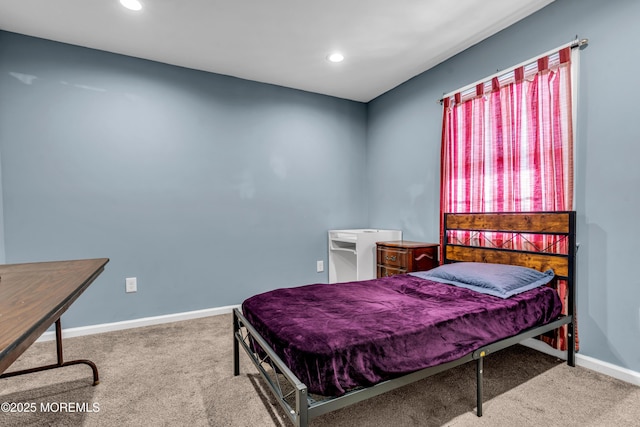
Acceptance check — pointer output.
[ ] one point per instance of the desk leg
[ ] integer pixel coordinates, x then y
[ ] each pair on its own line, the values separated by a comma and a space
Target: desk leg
61, 363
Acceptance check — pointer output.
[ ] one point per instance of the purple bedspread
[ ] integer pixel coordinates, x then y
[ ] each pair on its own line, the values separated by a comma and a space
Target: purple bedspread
335, 337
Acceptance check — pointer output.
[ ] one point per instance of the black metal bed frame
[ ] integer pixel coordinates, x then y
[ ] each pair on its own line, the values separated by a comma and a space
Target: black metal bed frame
292, 394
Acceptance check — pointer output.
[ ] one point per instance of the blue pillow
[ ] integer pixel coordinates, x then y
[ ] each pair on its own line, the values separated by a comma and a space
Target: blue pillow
500, 280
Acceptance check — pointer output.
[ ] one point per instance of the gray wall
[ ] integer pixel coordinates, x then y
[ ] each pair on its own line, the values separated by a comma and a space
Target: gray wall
209, 188
403, 156
206, 188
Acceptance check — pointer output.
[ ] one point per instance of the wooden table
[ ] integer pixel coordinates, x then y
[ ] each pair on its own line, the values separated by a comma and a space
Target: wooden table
33, 296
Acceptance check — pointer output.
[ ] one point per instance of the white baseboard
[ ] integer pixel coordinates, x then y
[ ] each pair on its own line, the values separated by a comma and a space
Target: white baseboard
609, 369
136, 323
606, 368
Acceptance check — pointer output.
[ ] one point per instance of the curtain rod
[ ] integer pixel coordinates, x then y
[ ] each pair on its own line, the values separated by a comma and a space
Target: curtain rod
572, 44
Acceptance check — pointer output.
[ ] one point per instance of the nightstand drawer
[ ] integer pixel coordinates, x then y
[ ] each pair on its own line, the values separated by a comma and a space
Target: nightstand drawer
392, 257
385, 271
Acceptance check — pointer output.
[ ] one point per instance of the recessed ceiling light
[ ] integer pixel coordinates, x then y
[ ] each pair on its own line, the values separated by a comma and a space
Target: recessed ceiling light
336, 57
131, 4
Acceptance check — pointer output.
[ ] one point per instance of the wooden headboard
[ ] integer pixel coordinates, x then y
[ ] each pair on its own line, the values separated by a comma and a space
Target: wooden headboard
489, 237
560, 225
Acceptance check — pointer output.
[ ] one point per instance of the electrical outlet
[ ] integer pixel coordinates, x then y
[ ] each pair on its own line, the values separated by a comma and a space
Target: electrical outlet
131, 284
320, 266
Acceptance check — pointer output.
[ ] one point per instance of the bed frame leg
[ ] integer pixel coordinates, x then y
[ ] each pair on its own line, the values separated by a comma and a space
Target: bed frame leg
571, 345
302, 408
479, 371
236, 346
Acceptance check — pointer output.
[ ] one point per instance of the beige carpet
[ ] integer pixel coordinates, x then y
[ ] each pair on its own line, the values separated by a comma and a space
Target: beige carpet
180, 374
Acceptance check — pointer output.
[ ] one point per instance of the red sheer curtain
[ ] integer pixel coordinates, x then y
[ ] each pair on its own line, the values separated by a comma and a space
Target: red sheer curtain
507, 145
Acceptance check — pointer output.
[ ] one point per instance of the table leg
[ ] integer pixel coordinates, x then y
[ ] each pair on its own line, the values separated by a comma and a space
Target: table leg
61, 363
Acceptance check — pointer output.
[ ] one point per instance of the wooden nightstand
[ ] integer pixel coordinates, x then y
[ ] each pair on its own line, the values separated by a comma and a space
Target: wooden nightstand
404, 256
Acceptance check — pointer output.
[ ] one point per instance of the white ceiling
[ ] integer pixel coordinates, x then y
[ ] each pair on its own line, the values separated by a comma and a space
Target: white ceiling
282, 42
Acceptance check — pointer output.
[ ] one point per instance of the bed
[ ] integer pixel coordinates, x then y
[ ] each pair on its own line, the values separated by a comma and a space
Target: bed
322, 347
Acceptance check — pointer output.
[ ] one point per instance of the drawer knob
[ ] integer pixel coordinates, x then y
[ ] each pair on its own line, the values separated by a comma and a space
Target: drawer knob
390, 258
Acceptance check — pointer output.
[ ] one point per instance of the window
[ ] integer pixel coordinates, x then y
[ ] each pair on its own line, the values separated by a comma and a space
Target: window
508, 143
507, 146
